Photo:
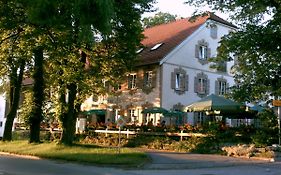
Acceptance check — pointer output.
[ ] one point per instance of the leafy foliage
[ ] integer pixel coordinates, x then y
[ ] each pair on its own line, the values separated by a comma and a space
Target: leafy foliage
159, 18
255, 46
268, 132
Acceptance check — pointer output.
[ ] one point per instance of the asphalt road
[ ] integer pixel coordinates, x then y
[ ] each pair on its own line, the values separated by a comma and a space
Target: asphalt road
163, 163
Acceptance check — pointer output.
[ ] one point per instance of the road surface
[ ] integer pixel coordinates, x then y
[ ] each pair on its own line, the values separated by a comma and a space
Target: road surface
163, 163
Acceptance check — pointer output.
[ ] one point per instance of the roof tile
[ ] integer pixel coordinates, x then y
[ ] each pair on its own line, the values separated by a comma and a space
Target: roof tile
171, 35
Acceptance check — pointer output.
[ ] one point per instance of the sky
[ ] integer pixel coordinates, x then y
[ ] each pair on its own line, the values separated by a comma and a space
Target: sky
177, 7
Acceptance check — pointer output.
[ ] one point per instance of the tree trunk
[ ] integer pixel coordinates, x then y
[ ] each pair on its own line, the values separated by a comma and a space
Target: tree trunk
38, 96
15, 90
69, 118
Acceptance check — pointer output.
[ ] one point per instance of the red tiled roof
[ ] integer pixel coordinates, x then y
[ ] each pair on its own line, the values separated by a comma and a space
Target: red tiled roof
171, 35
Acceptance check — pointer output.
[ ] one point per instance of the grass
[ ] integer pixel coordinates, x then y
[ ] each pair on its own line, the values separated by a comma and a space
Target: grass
81, 153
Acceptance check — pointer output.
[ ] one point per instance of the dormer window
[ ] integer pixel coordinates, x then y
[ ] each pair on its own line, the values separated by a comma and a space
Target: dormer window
139, 51
156, 46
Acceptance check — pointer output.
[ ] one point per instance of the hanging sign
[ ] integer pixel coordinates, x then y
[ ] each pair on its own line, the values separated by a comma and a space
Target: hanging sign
276, 102
120, 122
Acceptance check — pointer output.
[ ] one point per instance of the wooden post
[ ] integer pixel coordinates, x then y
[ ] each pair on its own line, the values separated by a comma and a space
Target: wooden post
106, 132
127, 133
181, 134
119, 140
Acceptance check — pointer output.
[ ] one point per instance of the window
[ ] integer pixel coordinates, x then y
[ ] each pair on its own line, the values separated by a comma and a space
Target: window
132, 81
156, 46
179, 80
199, 118
117, 87
139, 51
131, 113
201, 84
221, 86
203, 52
148, 79
106, 85
214, 31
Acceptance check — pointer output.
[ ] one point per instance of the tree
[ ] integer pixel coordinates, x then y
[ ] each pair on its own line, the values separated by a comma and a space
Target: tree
107, 57
255, 46
65, 31
159, 18
14, 56
36, 115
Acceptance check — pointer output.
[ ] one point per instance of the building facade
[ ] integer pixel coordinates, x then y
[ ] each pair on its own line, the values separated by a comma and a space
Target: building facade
173, 71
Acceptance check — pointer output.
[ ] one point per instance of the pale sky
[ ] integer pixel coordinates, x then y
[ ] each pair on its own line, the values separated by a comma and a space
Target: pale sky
177, 7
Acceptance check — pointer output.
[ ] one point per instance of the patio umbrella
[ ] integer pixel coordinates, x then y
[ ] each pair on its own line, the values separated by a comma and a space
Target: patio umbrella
155, 110
215, 104
174, 113
257, 108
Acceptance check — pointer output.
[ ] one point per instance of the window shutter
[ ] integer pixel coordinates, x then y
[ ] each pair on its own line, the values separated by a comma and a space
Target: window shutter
208, 52
182, 82
214, 31
154, 79
195, 84
186, 83
197, 48
129, 82
173, 80
139, 79
217, 90
207, 87
227, 87
195, 117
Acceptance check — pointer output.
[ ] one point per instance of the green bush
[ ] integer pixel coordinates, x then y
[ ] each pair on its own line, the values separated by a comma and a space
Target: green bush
267, 133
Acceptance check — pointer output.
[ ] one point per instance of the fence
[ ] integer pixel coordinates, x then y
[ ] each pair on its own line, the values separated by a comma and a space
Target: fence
128, 132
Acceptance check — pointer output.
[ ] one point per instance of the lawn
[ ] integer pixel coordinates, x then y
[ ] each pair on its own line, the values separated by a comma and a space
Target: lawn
81, 153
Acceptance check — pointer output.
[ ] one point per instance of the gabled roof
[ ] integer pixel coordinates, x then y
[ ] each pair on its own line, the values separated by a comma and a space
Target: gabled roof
171, 35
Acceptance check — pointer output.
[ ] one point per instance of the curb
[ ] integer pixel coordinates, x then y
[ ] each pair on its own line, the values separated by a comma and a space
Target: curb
20, 155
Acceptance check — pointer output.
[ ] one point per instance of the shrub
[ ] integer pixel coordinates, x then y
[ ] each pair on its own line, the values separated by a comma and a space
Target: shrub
267, 134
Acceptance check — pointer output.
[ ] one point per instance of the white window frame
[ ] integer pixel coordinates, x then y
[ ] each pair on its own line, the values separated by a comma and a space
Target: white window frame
202, 86
132, 114
148, 78
222, 87
178, 81
203, 52
132, 81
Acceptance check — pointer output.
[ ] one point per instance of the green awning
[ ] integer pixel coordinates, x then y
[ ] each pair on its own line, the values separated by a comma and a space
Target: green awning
94, 111
215, 103
155, 110
174, 113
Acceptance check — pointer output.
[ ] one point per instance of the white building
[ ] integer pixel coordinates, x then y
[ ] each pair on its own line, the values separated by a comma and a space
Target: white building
2, 115
173, 71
